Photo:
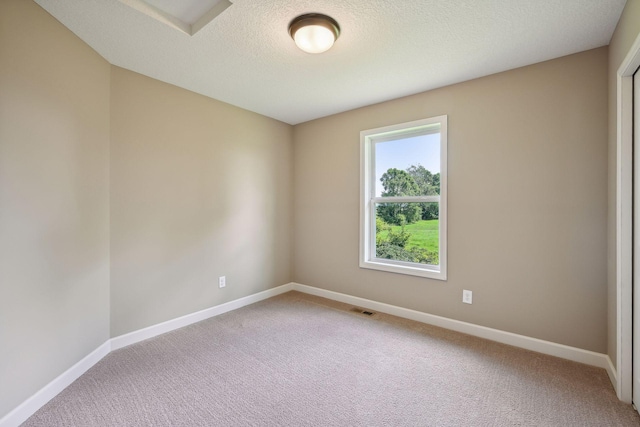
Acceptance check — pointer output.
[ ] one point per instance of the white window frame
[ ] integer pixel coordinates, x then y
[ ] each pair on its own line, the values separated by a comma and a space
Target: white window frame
368, 139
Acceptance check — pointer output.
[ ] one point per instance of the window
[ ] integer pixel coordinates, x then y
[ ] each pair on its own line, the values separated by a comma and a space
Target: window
403, 208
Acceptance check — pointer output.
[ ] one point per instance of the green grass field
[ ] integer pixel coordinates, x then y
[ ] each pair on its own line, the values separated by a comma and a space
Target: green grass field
424, 234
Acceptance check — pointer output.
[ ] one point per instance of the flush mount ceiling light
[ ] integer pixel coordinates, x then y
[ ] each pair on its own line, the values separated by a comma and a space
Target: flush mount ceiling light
314, 32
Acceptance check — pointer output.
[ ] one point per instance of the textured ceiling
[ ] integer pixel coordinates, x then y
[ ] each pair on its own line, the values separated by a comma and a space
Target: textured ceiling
387, 49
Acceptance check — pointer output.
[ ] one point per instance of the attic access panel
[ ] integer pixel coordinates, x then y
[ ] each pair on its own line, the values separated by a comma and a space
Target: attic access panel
188, 16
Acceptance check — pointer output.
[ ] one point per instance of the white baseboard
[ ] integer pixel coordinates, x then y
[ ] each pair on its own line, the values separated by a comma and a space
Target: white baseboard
546, 347
170, 325
39, 399
48, 392
44, 395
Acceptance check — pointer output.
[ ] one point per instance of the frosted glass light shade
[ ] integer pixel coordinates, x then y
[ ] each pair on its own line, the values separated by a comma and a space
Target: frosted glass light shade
314, 33
314, 39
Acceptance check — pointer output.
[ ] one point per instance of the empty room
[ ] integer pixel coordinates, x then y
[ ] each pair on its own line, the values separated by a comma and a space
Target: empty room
287, 213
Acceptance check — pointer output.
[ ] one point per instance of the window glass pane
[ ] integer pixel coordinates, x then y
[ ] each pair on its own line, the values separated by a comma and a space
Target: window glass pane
408, 232
408, 166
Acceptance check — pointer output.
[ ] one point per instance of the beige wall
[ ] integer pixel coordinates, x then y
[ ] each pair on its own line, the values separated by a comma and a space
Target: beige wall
199, 189
54, 211
527, 202
122, 199
625, 34
96, 161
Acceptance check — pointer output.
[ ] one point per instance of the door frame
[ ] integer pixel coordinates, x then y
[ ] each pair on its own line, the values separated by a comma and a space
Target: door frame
624, 229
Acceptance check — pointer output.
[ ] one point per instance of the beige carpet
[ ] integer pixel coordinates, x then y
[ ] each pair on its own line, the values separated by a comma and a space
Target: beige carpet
298, 360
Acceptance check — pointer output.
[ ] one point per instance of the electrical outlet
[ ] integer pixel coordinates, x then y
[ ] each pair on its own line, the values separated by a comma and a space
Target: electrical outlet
467, 297
222, 281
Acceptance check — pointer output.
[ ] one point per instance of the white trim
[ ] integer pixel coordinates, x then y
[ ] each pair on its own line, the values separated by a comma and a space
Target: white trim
624, 211
158, 15
48, 392
611, 371
209, 16
40, 398
368, 198
189, 319
174, 22
407, 199
546, 347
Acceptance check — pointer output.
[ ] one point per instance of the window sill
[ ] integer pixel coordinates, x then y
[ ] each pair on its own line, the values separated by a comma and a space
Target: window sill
409, 269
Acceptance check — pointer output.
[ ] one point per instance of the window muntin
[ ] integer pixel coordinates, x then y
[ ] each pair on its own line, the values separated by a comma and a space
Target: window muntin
403, 206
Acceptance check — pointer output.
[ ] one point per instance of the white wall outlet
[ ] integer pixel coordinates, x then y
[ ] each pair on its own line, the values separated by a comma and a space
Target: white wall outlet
467, 297
222, 281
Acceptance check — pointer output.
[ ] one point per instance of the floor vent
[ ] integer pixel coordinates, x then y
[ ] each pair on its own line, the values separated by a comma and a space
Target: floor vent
362, 311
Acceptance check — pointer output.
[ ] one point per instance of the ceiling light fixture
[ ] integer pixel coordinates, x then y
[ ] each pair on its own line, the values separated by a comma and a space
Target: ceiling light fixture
314, 32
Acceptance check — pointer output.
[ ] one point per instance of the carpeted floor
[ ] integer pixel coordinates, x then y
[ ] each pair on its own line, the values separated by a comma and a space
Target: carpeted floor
299, 360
